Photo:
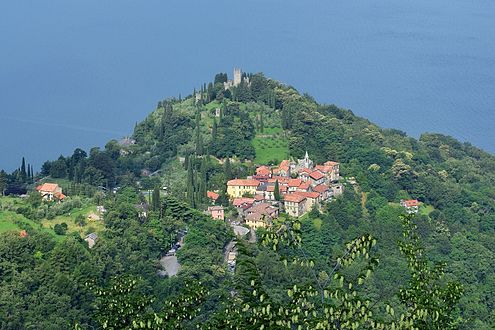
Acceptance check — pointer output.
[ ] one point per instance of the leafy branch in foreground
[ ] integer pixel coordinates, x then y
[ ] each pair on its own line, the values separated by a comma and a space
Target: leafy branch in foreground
120, 306
333, 302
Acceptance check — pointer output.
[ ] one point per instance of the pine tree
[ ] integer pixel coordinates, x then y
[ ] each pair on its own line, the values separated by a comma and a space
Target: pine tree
228, 169
276, 192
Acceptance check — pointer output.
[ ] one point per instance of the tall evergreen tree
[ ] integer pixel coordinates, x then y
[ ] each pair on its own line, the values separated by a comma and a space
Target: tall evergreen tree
155, 199
214, 131
190, 183
3, 182
262, 125
276, 192
202, 181
23, 172
228, 169
199, 139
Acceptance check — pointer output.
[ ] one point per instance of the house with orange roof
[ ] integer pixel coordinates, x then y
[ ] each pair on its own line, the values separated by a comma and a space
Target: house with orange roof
293, 184
51, 191
264, 171
411, 205
212, 196
270, 192
303, 174
334, 173
312, 198
240, 187
283, 169
316, 178
324, 191
243, 202
295, 205
305, 186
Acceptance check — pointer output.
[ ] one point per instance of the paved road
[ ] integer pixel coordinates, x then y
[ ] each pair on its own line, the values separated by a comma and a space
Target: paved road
240, 230
171, 265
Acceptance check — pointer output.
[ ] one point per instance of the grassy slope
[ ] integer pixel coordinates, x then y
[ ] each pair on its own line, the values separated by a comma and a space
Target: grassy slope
270, 145
8, 219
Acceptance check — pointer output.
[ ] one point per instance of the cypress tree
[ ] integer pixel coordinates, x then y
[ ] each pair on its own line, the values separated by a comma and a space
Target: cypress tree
228, 169
214, 131
276, 192
202, 182
190, 183
199, 140
155, 201
23, 170
262, 125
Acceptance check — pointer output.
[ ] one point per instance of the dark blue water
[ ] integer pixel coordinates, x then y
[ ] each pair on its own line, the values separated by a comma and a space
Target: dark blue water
80, 73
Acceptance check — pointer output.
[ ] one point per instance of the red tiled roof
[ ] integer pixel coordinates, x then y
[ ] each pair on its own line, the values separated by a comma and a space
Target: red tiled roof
305, 185
317, 175
242, 200
323, 168
411, 202
263, 170
49, 187
243, 182
294, 198
309, 194
330, 163
212, 195
59, 196
321, 188
281, 180
304, 170
284, 165
295, 182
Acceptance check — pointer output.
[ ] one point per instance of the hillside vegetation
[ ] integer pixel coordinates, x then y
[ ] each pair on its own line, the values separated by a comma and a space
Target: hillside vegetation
186, 147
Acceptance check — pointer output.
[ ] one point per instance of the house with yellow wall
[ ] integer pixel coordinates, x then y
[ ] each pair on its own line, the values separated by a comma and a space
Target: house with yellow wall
240, 187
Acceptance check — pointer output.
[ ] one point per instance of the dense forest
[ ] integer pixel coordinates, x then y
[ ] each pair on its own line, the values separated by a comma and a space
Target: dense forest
356, 263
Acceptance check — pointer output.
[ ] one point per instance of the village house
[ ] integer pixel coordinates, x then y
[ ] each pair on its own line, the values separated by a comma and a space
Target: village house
212, 196
242, 203
324, 191
331, 170
316, 178
304, 173
91, 239
51, 191
304, 187
240, 187
293, 184
283, 169
295, 205
216, 212
270, 192
312, 198
411, 205
260, 215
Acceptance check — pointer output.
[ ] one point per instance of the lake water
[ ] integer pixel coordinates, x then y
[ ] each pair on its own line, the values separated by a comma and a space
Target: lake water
76, 74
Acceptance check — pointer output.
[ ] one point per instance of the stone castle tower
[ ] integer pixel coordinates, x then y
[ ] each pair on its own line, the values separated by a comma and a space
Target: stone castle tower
237, 76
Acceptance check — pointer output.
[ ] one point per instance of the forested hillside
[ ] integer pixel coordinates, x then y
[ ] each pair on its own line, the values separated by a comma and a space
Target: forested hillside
153, 187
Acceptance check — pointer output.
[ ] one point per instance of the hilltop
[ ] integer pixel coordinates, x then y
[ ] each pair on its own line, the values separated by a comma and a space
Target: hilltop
248, 128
